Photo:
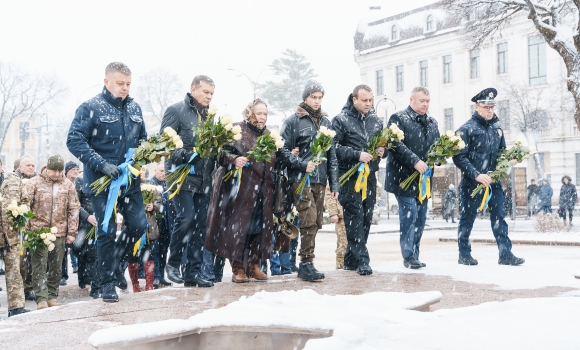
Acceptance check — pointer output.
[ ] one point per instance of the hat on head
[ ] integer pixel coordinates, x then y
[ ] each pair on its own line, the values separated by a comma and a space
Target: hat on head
485, 96
55, 163
311, 87
70, 165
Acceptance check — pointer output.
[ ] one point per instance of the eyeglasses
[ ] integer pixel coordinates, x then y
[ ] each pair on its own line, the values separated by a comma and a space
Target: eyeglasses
488, 108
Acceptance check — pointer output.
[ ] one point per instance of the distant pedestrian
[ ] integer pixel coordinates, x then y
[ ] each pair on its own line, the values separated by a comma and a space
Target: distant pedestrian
449, 199
568, 197
337, 218
71, 172
532, 195
508, 203
545, 193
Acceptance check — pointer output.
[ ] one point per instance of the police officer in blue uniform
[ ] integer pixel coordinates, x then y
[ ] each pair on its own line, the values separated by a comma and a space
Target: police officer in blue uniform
484, 141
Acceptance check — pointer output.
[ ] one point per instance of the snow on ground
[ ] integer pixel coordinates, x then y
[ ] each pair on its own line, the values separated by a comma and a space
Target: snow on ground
380, 320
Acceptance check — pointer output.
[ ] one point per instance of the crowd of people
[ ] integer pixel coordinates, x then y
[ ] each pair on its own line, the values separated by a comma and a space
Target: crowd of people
189, 237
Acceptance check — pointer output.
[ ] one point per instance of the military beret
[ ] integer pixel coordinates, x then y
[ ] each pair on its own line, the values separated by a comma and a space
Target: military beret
55, 163
485, 96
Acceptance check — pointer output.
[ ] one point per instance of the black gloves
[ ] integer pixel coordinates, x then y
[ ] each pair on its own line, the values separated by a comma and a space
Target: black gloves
187, 155
111, 171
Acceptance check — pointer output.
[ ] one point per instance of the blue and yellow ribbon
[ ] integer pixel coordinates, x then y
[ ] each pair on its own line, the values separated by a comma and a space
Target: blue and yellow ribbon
140, 243
128, 173
191, 167
307, 184
486, 197
362, 180
425, 185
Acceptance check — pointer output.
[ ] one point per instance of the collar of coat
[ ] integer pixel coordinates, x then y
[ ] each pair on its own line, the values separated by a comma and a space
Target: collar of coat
191, 102
301, 112
115, 101
415, 116
481, 120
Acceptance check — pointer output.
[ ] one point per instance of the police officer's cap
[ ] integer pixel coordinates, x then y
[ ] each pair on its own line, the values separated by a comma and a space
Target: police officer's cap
486, 96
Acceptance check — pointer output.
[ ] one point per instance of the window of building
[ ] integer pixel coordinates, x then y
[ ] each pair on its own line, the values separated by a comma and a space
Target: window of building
502, 58
503, 112
400, 78
537, 60
474, 63
538, 119
424, 73
448, 119
394, 33
380, 90
429, 25
447, 77
577, 168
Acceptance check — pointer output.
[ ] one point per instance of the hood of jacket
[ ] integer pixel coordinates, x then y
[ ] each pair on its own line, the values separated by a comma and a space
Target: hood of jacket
350, 110
567, 177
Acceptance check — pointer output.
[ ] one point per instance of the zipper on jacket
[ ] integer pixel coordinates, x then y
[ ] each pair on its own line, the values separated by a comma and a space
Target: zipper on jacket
51, 204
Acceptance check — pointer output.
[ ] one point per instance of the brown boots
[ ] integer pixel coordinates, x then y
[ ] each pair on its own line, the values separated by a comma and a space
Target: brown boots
254, 270
149, 274
239, 276
134, 274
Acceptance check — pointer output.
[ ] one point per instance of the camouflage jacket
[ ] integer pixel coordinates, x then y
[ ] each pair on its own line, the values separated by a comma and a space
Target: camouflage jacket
55, 204
332, 205
13, 189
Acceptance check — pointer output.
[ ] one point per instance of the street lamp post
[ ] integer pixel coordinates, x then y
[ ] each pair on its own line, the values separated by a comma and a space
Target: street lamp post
253, 82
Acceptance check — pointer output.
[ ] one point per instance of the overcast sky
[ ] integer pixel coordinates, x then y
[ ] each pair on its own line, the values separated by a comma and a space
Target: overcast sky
77, 39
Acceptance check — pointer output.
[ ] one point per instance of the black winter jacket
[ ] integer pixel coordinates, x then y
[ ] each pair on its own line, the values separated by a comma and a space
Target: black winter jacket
353, 132
103, 130
299, 131
183, 117
86, 204
568, 194
484, 141
404, 155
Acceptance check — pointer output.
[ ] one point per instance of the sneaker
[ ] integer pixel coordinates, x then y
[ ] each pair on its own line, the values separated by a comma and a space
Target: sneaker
511, 260
364, 270
110, 294
412, 263
307, 272
17, 311
466, 260
29, 295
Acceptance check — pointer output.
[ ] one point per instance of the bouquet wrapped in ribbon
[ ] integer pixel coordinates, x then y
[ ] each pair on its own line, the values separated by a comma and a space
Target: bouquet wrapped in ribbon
20, 216
41, 239
321, 144
152, 150
505, 161
384, 139
265, 146
446, 146
150, 193
211, 138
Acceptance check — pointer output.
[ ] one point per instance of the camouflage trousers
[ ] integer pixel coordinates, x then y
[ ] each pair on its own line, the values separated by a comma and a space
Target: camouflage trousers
14, 287
310, 210
341, 243
46, 283
26, 270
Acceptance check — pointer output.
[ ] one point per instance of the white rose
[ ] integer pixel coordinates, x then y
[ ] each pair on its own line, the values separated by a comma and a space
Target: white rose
23, 208
15, 212
46, 242
237, 129
11, 206
393, 127
228, 127
332, 133
169, 131
450, 133
453, 138
237, 137
323, 129
176, 138
43, 236
275, 134
400, 135
53, 237
212, 110
159, 189
50, 247
53, 230
279, 144
226, 119
461, 145
179, 144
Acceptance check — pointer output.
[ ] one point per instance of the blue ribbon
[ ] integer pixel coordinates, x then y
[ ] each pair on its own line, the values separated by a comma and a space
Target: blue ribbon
427, 174
191, 167
307, 184
361, 167
488, 197
143, 240
115, 186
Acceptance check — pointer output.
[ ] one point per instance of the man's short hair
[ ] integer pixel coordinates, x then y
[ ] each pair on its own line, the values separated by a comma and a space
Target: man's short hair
117, 67
420, 89
360, 87
200, 79
533, 180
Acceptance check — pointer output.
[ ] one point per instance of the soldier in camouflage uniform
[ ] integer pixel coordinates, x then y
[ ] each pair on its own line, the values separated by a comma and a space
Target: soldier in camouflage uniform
335, 212
12, 189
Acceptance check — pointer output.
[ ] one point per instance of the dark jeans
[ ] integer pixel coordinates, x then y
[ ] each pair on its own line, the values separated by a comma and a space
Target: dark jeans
412, 217
212, 268
496, 216
563, 210
189, 232
358, 216
73, 259
159, 252
292, 252
109, 251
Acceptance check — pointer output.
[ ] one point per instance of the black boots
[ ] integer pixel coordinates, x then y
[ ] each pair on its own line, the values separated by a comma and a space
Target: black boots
412, 263
110, 294
17, 311
466, 260
308, 272
173, 274
511, 260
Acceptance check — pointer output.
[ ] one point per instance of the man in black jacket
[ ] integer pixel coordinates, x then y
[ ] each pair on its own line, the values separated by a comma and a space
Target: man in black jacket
192, 201
354, 127
299, 131
404, 159
484, 140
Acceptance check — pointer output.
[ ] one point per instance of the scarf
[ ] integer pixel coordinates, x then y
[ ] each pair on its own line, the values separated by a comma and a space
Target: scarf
315, 115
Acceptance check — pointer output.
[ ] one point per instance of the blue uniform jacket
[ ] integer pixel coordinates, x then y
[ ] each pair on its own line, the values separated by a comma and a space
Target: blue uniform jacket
102, 131
484, 141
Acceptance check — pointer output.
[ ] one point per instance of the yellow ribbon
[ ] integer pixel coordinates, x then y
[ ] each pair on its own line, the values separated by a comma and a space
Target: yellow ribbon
136, 247
425, 185
362, 180
237, 175
485, 199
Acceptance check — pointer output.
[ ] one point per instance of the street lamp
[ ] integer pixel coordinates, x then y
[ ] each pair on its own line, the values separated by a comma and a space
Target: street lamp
253, 82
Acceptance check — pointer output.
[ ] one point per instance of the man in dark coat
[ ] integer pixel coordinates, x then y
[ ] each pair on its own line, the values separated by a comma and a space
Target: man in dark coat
403, 160
192, 201
103, 130
164, 224
545, 193
299, 131
484, 140
568, 197
354, 126
532, 197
